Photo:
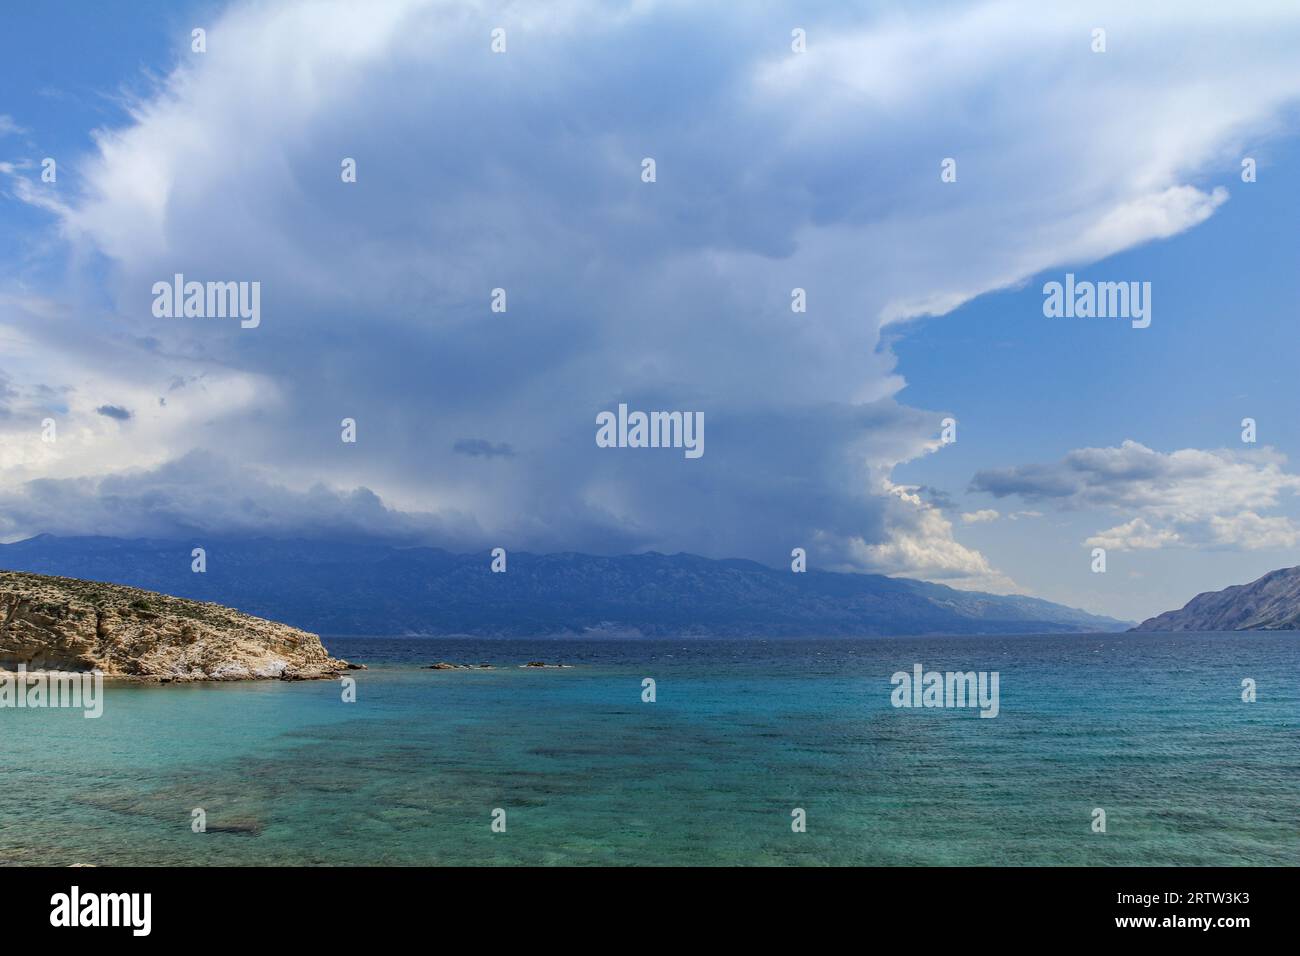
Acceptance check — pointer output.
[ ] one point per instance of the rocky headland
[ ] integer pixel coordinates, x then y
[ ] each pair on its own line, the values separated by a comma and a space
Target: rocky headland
53, 623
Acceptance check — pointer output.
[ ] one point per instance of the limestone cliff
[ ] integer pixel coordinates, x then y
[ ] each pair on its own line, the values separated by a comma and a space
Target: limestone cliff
50, 623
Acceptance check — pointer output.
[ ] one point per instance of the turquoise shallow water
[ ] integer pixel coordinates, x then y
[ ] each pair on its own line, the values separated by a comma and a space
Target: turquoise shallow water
1150, 728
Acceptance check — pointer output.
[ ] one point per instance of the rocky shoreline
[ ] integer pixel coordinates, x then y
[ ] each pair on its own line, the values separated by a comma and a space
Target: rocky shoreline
66, 624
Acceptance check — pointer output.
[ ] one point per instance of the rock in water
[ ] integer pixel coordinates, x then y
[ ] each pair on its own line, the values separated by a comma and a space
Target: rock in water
50, 623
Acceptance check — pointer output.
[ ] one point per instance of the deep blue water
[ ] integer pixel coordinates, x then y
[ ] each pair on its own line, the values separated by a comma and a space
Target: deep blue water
1150, 728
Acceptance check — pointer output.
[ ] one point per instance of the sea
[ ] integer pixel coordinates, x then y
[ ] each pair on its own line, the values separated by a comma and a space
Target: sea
751, 753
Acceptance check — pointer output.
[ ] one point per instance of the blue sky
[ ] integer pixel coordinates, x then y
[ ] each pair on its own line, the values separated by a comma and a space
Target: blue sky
1030, 389
522, 170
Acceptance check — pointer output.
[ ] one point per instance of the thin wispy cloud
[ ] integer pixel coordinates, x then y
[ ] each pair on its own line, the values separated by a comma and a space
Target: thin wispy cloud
482, 448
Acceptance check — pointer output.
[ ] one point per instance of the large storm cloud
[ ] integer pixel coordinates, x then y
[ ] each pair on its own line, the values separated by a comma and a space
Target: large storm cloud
522, 171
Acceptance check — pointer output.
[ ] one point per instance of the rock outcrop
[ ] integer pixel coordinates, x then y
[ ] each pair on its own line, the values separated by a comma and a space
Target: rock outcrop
50, 623
445, 666
1270, 603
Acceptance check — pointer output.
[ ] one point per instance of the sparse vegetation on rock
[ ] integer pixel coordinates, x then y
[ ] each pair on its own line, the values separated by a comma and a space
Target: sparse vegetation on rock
52, 623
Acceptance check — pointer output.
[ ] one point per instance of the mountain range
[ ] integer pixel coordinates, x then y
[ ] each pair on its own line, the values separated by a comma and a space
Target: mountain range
346, 588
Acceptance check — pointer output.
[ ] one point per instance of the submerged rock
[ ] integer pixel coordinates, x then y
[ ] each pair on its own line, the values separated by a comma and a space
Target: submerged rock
49, 623
251, 827
444, 666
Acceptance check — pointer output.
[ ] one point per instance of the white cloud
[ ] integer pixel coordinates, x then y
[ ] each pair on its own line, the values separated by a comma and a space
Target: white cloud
1134, 535
982, 515
1186, 498
919, 543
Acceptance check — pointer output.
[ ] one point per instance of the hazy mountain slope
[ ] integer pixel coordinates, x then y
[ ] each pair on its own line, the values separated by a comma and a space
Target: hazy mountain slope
1271, 603
341, 588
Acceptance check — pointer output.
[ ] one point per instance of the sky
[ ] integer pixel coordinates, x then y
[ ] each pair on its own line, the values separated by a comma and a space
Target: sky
794, 147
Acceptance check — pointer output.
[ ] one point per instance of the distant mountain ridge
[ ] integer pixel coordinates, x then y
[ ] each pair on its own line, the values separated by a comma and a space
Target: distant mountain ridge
1270, 603
337, 588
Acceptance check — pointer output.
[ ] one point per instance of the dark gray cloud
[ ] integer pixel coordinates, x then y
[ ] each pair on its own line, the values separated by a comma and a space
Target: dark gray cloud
1029, 481
116, 412
201, 493
936, 498
1129, 475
